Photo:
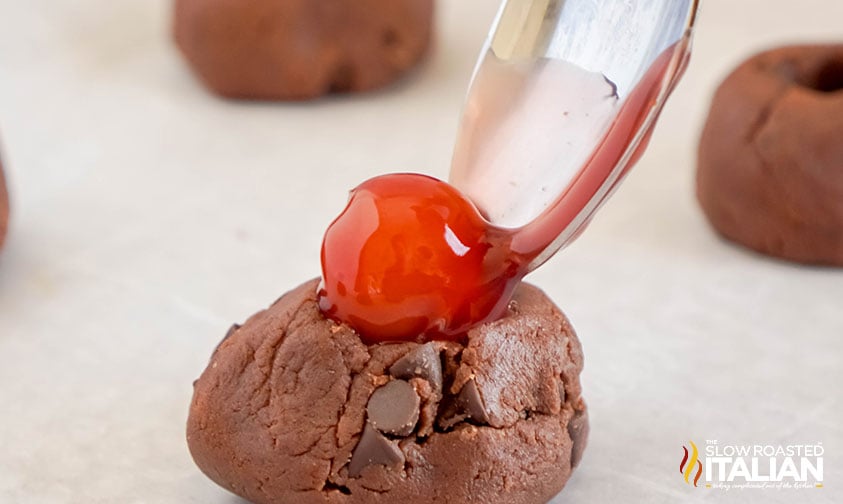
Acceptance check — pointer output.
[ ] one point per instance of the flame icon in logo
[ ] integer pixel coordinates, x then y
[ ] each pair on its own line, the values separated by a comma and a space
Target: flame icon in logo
686, 468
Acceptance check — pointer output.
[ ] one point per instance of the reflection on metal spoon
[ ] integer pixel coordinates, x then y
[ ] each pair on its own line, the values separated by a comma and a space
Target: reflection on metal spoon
563, 101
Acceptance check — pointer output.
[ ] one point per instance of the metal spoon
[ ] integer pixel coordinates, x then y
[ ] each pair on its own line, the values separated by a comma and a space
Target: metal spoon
563, 100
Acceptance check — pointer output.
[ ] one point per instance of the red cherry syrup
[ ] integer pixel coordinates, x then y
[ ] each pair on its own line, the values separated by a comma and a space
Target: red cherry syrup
411, 259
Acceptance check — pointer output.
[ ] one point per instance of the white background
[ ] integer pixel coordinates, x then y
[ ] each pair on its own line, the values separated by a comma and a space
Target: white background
149, 216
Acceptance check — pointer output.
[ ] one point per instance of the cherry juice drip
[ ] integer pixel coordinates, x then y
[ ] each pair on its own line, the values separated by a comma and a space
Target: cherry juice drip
411, 259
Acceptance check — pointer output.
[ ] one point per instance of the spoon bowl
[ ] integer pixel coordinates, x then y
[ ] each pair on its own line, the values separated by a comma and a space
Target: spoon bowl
562, 103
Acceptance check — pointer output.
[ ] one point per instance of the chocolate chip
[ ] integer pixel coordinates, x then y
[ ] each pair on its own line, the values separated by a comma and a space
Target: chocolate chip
373, 449
471, 403
422, 362
466, 405
394, 408
578, 430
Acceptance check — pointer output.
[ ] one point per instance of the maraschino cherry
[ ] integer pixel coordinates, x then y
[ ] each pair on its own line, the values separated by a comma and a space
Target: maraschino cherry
411, 259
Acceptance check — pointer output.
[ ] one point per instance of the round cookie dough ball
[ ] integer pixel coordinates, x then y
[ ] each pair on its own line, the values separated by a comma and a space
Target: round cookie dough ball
301, 49
294, 407
770, 165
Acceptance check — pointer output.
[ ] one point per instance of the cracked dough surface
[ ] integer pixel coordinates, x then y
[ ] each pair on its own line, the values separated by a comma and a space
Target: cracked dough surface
770, 163
281, 406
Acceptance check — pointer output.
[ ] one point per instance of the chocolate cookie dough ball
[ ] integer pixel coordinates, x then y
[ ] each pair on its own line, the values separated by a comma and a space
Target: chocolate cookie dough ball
293, 407
301, 49
770, 171
4, 206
